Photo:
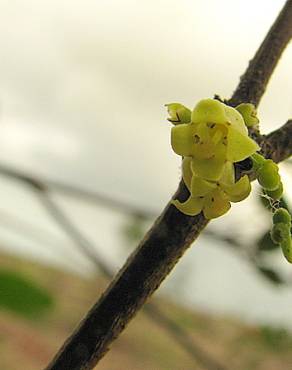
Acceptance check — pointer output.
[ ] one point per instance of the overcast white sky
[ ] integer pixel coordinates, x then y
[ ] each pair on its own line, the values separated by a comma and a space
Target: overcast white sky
83, 84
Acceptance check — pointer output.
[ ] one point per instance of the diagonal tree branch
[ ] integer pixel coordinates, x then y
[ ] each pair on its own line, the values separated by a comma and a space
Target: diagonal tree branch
253, 83
152, 310
170, 236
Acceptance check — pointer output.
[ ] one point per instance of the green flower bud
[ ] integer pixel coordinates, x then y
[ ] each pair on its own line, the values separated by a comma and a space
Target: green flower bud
282, 215
258, 161
286, 246
280, 232
249, 114
276, 194
268, 176
178, 113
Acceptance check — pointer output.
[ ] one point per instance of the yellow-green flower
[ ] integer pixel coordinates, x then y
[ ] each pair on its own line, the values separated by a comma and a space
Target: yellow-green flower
213, 198
216, 134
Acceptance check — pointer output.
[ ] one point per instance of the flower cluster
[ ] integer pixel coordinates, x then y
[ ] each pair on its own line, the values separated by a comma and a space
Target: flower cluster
211, 139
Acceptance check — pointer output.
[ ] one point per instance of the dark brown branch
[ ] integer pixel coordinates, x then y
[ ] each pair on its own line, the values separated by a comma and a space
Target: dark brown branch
163, 245
254, 81
278, 144
161, 248
154, 313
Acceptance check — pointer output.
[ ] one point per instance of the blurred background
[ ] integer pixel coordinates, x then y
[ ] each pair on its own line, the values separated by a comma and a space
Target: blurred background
86, 166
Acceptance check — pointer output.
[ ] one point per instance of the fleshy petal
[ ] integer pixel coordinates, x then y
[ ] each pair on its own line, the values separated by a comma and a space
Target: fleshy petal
209, 111
191, 207
216, 204
235, 119
238, 191
228, 176
203, 145
201, 187
209, 169
181, 139
239, 146
187, 173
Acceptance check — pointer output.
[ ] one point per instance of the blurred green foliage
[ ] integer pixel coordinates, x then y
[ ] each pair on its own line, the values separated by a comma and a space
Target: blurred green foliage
23, 296
276, 338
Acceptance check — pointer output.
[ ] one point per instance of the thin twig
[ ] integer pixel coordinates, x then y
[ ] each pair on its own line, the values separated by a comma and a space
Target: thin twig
85, 194
157, 254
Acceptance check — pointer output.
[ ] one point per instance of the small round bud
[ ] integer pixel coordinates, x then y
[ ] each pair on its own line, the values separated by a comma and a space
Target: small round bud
286, 246
282, 215
268, 176
249, 114
178, 113
276, 194
280, 232
258, 161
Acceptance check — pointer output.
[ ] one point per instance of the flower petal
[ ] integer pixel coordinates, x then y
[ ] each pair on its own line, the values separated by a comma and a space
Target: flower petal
191, 207
209, 169
235, 119
203, 147
187, 173
201, 187
216, 204
209, 111
228, 176
182, 140
239, 146
238, 191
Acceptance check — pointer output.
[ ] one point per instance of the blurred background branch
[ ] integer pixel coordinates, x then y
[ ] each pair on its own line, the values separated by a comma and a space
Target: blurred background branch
42, 189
